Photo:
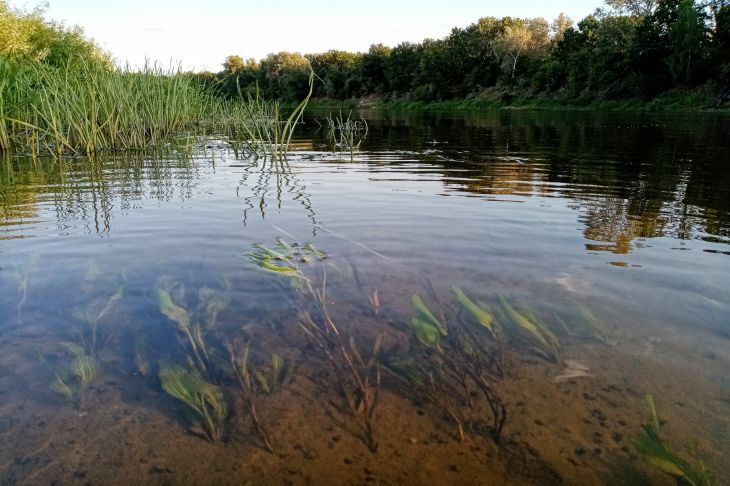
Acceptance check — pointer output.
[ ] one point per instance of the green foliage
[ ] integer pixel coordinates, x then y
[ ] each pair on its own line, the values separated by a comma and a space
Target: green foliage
28, 37
481, 314
205, 399
286, 259
60, 95
531, 326
452, 359
77, 377
636, 49
427, 328
189, 324
346, 134
656, 452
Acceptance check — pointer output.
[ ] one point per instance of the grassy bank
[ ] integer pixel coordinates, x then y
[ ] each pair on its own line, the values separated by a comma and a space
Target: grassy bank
673, 101
86, 108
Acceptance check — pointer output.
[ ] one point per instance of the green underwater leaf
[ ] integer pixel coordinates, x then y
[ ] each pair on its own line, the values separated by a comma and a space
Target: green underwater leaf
424, 314
481, 315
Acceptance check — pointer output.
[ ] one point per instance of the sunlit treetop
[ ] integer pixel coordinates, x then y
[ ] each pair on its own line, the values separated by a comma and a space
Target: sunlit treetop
28, 36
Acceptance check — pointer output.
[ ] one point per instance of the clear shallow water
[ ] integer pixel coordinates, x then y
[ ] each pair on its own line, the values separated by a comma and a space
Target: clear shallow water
627, 215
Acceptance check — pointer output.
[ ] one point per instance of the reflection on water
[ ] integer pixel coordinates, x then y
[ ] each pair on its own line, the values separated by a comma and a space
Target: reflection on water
266, 179
461, 296
84, 195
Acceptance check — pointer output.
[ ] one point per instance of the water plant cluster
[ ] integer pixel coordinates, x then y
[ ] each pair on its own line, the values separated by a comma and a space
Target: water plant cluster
357, 375
654, 449
87, 108
453, 355
91, 331
457, 356
346, 134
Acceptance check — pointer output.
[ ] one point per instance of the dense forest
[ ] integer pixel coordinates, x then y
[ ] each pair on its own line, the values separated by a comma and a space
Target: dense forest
631, 49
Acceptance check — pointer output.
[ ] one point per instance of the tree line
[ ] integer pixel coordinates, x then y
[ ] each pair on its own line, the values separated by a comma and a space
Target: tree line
628, 49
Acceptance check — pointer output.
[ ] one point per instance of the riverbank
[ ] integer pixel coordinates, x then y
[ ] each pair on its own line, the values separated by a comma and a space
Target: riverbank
495, 99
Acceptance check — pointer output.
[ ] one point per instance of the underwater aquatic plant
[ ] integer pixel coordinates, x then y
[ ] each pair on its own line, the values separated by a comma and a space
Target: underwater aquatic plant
357, 378
374, 300
210, 304
245, 374
426, 327
485, 319
79, 374
275, 369
448, 371
656, 452
23, 273
94, 311
286, 259
205, 399
192, 332
59, 384
536, 330
140, 356
83, 366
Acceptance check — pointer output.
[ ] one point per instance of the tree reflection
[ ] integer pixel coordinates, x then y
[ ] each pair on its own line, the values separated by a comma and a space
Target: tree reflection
631, 177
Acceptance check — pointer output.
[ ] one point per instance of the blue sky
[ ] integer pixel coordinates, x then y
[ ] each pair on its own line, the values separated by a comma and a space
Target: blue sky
200, 34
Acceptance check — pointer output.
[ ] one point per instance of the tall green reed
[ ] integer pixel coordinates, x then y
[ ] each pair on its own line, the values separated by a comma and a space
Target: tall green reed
84, 109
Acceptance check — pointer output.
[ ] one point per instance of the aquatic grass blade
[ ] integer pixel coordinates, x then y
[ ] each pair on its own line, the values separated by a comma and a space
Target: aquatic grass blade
657, 453
542, 335
425, 314
481, 315
204, 398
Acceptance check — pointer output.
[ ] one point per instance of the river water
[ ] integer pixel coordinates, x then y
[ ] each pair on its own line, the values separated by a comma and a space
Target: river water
609, 233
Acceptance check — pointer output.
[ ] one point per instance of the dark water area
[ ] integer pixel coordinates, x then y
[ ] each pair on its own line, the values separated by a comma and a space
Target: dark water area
609, 232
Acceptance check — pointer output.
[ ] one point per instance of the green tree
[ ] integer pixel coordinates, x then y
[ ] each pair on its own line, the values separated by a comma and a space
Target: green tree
28, 36
688, 37
557, 29
336, 70
720, 57
234, 64
522, 37
637, 8
371, 76
284, 75
401, 67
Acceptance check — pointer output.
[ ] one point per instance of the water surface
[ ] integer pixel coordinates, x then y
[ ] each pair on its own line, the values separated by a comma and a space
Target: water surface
613, 229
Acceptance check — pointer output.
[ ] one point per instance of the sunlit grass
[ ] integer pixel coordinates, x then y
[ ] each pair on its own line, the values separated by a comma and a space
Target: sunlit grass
87, 109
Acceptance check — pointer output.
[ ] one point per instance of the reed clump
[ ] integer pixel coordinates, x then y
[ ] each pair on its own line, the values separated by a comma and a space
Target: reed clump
346, 133
86, 108
255, 127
